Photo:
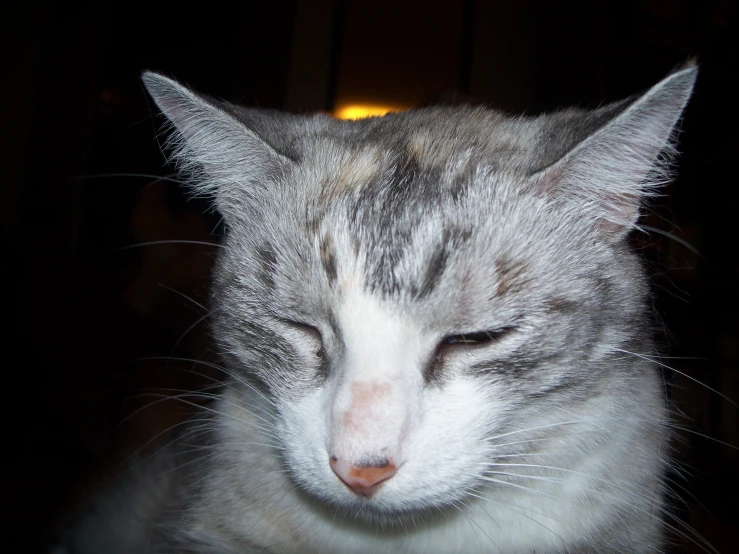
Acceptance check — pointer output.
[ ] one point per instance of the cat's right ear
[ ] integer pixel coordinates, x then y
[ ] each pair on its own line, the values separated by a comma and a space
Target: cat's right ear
217, 153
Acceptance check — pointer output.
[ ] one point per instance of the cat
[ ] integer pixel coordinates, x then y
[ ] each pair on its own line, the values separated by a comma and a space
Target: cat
436, 335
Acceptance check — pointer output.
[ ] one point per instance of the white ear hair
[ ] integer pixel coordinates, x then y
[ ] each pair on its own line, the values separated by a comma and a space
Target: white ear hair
607, 175
220, 155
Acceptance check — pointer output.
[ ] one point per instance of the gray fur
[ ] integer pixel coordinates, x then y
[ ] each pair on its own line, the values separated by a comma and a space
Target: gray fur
463, 220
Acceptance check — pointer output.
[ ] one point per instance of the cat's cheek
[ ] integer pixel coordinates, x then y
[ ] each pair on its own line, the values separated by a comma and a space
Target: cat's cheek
304, 428
448, 451
444, 450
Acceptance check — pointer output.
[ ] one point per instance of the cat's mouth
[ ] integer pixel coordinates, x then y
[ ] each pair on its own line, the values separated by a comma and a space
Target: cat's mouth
380, 495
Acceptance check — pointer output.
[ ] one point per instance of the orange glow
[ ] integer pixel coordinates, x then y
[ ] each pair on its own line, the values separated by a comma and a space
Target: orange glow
358, 111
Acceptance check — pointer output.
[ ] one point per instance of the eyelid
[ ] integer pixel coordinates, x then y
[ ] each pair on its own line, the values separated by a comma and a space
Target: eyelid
304, 327
479, 338
311, 330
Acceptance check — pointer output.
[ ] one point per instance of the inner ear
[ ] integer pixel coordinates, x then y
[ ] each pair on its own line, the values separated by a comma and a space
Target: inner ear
607, 175
217, 153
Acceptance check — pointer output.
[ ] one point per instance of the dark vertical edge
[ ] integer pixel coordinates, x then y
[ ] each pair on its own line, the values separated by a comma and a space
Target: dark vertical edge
337, 39
464, 82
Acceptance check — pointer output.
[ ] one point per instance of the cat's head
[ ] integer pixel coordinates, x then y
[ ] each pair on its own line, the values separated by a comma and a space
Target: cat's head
428, 291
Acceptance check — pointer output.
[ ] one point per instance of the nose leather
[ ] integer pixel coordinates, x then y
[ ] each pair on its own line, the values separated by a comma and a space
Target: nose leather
363, 479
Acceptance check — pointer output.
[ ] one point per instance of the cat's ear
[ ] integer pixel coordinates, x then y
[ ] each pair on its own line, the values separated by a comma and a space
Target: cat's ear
607, 175
220, 155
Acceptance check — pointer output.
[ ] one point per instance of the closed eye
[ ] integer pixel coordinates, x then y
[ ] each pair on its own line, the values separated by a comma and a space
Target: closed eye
451, 345
476, 339
310, 331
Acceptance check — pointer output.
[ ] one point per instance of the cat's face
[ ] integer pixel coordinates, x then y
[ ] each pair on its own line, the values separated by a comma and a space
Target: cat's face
430, 293
416, 342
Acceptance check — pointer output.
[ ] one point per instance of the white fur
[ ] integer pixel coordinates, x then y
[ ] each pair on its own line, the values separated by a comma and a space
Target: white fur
438, 437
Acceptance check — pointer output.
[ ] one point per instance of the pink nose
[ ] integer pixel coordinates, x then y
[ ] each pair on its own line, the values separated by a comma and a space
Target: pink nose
364, 480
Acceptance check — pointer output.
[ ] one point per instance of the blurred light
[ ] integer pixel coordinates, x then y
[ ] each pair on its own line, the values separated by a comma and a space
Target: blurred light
358, 111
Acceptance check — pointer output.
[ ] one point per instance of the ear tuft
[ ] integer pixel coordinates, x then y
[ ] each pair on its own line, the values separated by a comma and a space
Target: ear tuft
217, 153
608, 174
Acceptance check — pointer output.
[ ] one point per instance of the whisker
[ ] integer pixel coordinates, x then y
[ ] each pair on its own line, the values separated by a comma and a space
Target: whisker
631, 493
211, 396
183, 295
594, 420
218, 367
479, 527
157, 178
171, 241
271, 506
655, 361
191, 327
645, 228
196, 428
513, 507
181, 398
527, 489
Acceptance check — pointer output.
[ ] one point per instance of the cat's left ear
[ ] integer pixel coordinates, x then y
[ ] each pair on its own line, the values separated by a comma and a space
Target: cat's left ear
606, 176
222, 157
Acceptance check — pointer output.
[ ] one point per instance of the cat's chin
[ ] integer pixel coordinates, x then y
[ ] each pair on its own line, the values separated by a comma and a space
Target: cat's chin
383, 511
373, 512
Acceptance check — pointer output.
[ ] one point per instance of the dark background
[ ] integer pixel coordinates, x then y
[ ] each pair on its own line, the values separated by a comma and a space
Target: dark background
81, 315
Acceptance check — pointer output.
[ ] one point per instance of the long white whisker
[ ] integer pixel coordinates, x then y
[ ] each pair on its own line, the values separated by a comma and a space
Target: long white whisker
220, 368
686, 244
183, 295
185, 401
609, 494
194, 429
652, 360
191, 327
472, 522
514, 507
